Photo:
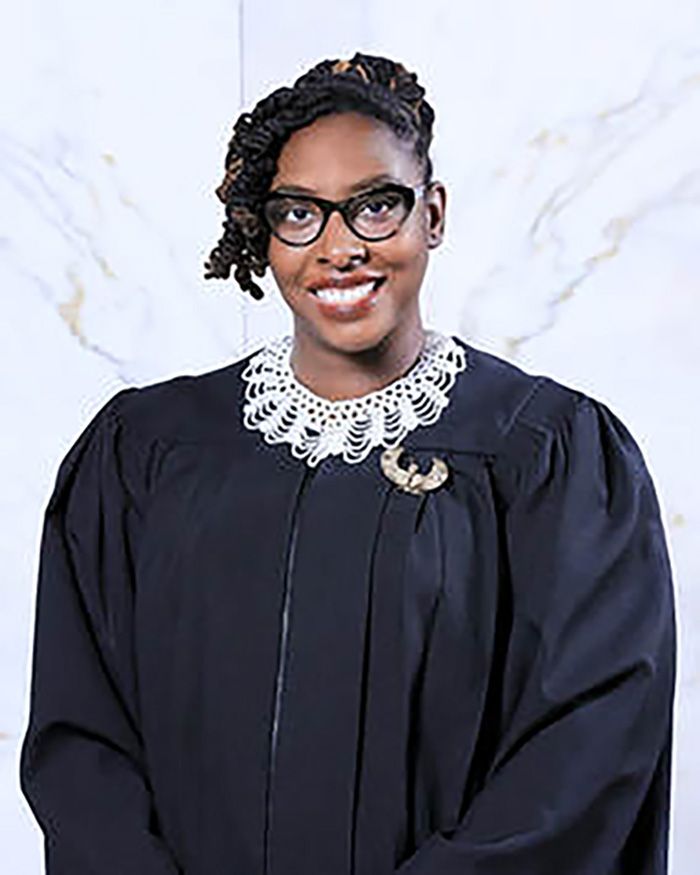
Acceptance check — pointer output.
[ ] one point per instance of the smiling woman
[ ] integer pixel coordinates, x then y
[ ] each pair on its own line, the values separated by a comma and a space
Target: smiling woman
369, 600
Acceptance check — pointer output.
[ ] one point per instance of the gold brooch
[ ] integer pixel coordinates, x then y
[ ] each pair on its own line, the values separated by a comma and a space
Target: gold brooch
410, 479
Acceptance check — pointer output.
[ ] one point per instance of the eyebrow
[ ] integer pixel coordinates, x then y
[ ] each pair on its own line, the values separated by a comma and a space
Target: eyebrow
362, 183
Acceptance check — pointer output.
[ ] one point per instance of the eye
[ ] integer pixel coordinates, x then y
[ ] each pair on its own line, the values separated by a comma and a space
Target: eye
296, 213
290, 212
379, 212
378, 204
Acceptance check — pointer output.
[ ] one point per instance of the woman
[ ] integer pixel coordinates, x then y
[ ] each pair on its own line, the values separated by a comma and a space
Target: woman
369, 600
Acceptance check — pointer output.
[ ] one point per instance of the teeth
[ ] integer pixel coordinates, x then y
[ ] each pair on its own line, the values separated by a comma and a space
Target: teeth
344, 296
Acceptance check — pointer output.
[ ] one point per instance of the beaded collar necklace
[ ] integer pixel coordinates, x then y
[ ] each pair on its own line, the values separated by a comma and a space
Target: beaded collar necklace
279, 406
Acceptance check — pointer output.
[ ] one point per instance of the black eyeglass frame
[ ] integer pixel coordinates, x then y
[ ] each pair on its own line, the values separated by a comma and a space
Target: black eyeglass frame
343, 207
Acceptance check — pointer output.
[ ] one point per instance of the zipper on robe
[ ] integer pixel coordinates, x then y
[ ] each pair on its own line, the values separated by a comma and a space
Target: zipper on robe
282, 658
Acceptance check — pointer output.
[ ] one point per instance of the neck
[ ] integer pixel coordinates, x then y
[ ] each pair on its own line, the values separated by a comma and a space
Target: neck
335, 374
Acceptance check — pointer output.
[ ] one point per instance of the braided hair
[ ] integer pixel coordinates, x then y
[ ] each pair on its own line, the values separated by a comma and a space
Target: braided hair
372, 85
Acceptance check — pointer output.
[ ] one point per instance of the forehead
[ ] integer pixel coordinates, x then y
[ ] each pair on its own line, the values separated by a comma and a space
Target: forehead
337, 150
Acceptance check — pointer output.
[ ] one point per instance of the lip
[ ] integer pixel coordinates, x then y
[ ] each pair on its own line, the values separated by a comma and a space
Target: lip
346, 311
345, 282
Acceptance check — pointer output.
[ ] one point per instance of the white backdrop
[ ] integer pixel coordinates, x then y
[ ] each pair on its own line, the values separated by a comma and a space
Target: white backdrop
567, 134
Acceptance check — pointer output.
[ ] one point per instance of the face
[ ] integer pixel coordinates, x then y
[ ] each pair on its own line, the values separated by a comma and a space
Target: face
329, 158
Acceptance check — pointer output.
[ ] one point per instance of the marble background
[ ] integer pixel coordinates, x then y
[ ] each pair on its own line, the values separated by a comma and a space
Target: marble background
567, 133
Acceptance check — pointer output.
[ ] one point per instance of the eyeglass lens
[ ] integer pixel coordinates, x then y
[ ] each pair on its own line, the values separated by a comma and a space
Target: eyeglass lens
374, 215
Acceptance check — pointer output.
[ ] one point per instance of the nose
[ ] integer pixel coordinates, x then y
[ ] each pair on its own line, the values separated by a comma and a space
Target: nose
338, 244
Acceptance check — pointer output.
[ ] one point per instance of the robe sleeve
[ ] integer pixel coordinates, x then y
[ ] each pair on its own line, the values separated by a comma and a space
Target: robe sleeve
579, 782
82, 766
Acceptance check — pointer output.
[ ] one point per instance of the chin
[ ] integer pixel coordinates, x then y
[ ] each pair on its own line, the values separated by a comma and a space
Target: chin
354, 337
354, 329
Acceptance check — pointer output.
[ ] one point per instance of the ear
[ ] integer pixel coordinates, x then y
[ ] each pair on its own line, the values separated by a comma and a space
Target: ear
435, 202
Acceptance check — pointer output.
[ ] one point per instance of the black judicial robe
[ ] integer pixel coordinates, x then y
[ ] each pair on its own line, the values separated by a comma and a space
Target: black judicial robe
245, 666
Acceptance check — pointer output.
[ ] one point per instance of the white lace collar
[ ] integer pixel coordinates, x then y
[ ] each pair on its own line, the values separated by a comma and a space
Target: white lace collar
284, 410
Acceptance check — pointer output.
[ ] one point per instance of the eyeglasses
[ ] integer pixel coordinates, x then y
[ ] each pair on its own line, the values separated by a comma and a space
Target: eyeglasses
299, 220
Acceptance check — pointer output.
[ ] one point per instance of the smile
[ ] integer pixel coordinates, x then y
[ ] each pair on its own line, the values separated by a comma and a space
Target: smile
352, 295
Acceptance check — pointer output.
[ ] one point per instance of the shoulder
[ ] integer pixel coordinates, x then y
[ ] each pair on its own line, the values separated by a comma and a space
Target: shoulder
522, 420
187, 407
495, 402
119, 440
